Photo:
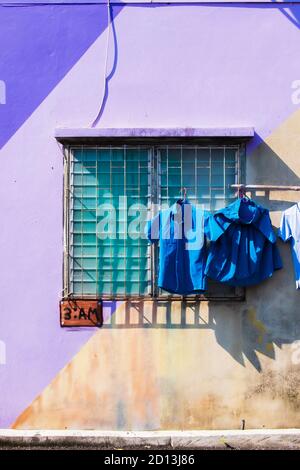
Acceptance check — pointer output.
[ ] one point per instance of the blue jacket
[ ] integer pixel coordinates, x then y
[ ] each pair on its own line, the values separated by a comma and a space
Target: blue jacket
181, 231
245, 252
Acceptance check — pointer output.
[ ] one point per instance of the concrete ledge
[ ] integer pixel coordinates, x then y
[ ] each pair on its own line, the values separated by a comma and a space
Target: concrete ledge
94, 134
251, 439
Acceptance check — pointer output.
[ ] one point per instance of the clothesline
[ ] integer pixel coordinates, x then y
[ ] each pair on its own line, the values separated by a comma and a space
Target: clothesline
265, 187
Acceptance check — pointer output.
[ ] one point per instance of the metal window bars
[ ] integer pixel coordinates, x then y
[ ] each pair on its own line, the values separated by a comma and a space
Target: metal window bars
124, 268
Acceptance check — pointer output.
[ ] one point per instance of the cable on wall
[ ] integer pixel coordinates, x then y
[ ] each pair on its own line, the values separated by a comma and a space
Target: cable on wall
105, 76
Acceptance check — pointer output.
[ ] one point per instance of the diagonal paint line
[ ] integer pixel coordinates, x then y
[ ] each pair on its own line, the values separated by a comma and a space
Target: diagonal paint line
31, 67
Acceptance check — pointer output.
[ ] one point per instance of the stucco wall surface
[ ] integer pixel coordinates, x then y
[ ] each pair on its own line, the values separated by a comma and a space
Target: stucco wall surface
156, 365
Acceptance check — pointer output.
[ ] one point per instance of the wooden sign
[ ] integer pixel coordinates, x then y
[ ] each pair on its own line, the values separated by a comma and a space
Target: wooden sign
75, 312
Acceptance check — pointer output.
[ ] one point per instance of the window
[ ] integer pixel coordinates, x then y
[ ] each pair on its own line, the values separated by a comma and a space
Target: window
108, 187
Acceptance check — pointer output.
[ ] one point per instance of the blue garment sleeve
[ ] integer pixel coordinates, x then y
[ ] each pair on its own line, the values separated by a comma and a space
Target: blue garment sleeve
152, 229
213, 229
265, 226
284, 232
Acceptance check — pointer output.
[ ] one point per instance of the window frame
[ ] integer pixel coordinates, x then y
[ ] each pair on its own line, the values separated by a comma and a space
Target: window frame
153, 145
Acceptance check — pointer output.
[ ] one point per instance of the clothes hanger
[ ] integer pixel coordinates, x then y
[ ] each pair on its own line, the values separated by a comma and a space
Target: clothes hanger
182, 200
242, 194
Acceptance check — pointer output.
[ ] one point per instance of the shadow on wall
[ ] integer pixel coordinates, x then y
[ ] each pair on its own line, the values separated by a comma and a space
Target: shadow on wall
265, 167
268, 318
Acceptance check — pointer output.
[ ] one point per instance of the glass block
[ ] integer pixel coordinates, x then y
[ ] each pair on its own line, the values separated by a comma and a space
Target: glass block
77, 263
104, 251
132, 166
103, 167
103, 155
164, 179
203, 172
217, 180
163, 166
132, 179
104, 263
85, 203
83, 275
132, 251
118, 275
104, 192
118, 251
117, 155
175, 192
190, 191
203, 156
85, 251
79, 168
217, 154
143, 179
188, 167
85, 191
217, 194
176, 171
144, 191
230, 155
133, 288
118, 288
175, 181
118, 179
77, 239
188, 180
89, 239
134, 203
164, 192
174, 155
143, 155
105, 287
163, 153
89, 227
229, 179
86, 179
145, 288
89, 263
203, 192
85, 154
188, 155
85, 288
134, 263
105, 275
136, 275
134, 190
83, 215
104, 180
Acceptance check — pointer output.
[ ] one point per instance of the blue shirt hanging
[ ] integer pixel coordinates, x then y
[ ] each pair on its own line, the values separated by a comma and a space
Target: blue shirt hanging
290, 231
245, 252
181, 232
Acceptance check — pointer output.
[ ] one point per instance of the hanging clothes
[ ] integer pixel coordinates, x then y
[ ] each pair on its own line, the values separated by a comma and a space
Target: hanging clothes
290, 231
181, 232
245, 253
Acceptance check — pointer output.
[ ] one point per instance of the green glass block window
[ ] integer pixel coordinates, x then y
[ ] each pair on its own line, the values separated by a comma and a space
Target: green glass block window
103, 260
115, 185
207, 173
